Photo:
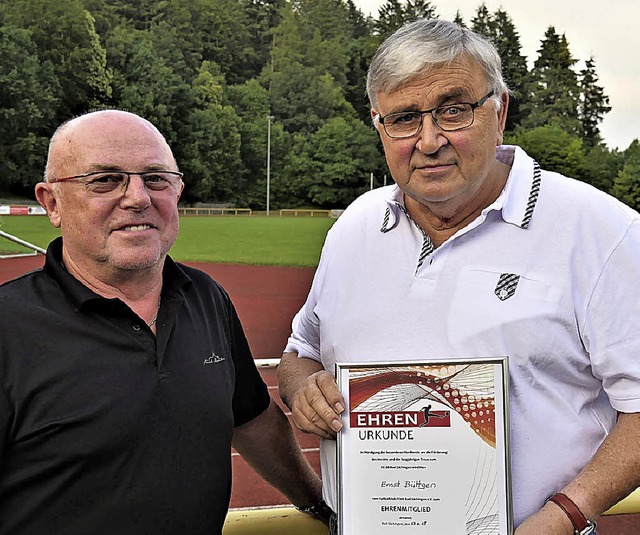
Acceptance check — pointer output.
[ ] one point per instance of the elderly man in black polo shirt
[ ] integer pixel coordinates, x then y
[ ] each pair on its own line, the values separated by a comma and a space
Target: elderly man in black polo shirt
125, 377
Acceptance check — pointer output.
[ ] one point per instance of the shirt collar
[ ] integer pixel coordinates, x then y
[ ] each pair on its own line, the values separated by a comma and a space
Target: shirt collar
395, 206
516, 202
174, 278
520, 194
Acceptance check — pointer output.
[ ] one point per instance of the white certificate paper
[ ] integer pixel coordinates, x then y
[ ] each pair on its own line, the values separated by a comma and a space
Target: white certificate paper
424, 448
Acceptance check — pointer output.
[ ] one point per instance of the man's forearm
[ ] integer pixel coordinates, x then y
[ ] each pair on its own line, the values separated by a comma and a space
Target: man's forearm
292, 372
268, 445
613, 472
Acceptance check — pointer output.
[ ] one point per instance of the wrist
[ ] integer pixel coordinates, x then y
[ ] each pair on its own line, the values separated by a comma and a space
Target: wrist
580, 525
320, 511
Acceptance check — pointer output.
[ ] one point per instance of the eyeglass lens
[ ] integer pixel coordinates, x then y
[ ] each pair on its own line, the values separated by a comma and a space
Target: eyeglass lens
407, 124
113, 184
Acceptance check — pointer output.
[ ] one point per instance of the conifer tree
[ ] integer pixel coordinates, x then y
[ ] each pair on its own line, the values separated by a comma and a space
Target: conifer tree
482, 22
514, 65
501, 31
554, 92
394, 14
459, 20
593, 104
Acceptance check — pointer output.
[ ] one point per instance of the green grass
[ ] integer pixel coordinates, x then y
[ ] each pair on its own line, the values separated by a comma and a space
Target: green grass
34, 229
286, 241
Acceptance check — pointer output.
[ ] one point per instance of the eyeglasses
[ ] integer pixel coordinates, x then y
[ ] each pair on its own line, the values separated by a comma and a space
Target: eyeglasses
449, 118
113, 184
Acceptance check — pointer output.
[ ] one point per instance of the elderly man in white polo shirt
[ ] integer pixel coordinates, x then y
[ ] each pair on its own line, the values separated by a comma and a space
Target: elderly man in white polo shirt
477, 251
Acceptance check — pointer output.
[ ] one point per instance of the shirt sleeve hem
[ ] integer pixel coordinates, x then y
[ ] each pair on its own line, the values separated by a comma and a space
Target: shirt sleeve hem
303, 351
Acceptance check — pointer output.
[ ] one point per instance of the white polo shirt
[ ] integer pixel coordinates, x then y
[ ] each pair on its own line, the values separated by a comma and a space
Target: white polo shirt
548, 275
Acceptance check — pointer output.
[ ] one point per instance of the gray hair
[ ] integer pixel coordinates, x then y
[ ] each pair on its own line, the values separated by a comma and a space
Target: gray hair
426, 43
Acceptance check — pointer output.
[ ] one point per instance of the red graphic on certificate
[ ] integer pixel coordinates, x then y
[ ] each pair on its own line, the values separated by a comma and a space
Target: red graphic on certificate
467, 389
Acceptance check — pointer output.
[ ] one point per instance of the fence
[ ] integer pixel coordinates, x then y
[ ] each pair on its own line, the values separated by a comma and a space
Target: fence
304, 212
214, 211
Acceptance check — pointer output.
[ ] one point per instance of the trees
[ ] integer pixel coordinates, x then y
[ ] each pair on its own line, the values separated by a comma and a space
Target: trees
554, 91
211, 150
627, 184
208, 73
501, 31
251, 104
514, 65
592, 106
331, 167
394, 13
302, 100
29, 96
64, 35
553, 148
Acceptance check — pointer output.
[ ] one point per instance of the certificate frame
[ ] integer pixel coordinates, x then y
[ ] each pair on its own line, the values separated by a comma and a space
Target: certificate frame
425, 443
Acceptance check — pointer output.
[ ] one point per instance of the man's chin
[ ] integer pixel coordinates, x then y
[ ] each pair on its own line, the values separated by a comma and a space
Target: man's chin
137, 260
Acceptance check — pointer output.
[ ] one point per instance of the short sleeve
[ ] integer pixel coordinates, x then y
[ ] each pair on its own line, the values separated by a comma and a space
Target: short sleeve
610, 332
251, 396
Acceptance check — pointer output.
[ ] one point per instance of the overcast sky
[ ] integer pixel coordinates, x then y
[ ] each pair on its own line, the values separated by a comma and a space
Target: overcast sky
609, 31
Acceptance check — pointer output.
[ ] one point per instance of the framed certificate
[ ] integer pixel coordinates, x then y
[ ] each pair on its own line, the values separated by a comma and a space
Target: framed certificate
425, 448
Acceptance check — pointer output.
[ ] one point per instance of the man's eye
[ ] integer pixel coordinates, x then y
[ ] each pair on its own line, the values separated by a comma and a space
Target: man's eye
157, 181
452, 111
107, 178
404, 118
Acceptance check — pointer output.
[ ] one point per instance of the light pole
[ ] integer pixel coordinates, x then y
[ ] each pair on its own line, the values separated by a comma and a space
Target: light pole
269, 119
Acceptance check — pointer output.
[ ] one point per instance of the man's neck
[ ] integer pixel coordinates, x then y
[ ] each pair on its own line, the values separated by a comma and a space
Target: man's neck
442, 220
139, 289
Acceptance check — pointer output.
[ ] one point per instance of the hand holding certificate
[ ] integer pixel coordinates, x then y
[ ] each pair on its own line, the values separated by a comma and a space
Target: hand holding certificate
424, 448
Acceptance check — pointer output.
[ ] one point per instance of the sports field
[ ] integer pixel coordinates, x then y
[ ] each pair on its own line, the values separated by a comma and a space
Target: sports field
266, 296
274, 240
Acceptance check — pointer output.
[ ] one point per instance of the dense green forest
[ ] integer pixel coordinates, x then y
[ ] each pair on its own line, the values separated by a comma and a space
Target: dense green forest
216, 76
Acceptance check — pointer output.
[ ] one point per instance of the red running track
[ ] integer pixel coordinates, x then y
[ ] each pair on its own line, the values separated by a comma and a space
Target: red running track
267, 298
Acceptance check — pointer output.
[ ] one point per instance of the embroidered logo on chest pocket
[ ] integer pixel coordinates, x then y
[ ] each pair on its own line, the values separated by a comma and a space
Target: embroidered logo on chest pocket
507, 285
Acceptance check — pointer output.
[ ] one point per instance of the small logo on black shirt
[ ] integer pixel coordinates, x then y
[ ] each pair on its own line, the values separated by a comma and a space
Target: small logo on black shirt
213, 358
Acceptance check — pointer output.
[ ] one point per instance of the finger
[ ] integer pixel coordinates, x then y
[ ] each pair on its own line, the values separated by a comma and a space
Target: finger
327, 385
307, 419
325, 399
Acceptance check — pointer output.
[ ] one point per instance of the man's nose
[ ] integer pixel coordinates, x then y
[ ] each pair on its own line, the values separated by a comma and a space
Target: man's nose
431, 137
136, 194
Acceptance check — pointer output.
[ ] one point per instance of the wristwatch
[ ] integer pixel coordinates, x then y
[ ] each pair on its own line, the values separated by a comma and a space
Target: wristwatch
581, 525
319, 511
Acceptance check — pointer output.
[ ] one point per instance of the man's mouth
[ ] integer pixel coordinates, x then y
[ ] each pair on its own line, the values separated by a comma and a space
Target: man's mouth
433, 167
136, 228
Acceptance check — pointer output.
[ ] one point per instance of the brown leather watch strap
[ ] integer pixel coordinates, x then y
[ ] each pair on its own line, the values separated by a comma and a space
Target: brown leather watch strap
571, 510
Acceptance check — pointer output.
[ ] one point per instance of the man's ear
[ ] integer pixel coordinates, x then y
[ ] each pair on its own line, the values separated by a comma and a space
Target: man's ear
375, 116
502, 116
48, 199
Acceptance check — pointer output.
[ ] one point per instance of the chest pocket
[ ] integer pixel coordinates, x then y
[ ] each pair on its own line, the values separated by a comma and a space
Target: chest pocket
489, 306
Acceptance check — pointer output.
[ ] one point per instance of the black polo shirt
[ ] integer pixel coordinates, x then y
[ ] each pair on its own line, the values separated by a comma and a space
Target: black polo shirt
105, 428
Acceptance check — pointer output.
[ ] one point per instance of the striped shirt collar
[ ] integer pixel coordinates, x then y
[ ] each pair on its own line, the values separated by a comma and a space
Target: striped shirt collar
516, 203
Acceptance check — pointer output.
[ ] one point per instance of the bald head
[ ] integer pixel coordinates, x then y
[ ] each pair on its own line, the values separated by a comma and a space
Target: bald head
124, 130
111, 238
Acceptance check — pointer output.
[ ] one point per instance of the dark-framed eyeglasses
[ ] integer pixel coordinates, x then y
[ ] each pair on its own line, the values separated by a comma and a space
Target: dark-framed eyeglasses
449, 118
113, 184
